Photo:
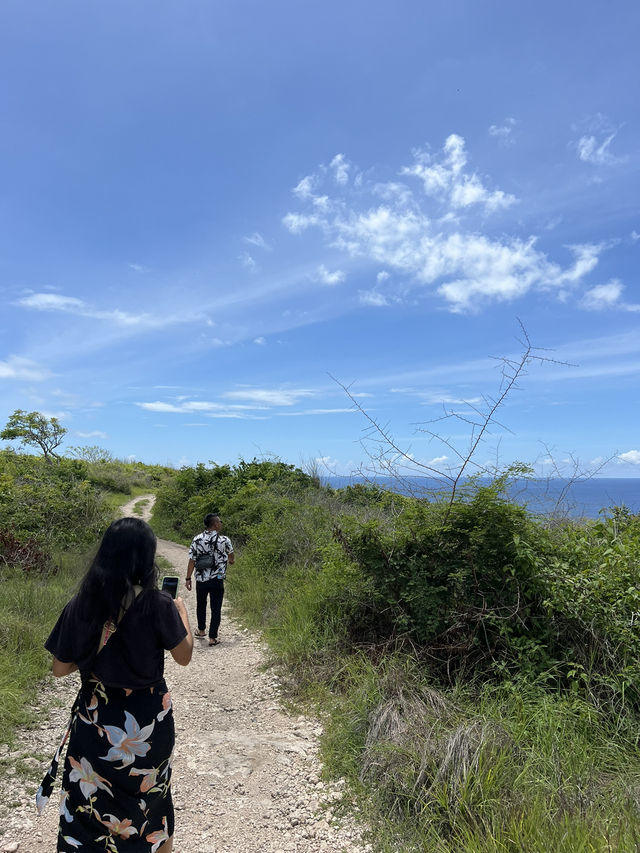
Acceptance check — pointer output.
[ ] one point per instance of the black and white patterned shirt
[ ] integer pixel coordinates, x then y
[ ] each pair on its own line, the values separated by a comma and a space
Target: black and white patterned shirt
207, 542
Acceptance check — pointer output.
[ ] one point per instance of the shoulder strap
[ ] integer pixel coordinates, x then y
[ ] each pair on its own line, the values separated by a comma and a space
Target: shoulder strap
109, 628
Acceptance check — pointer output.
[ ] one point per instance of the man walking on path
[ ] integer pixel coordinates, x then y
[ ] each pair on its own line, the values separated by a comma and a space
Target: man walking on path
208, 555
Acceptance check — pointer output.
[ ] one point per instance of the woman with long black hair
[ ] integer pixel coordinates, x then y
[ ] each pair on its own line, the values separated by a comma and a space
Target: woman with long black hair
116, 785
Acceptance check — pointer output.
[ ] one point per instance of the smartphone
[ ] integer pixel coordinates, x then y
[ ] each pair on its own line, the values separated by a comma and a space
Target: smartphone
170, 585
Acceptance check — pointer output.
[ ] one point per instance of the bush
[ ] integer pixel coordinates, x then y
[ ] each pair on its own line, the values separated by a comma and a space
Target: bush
242, 495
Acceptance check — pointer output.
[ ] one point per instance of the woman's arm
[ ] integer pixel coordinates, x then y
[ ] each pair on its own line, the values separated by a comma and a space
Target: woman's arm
59, 668
183, 651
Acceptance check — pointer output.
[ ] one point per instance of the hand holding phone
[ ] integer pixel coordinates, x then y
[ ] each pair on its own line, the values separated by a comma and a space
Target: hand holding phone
170, 585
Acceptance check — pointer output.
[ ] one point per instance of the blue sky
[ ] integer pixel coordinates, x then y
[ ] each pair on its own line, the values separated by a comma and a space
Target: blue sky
210, 212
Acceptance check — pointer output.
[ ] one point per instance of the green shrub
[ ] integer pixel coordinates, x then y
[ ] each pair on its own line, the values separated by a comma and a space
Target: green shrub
241, 494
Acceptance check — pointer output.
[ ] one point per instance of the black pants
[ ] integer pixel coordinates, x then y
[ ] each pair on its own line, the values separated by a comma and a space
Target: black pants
214, 591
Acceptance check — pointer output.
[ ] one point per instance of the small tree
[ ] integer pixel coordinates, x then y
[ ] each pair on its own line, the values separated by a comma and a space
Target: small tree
36, 430
91, 453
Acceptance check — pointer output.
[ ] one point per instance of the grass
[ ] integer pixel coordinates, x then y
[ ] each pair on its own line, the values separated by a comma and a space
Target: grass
138, 507
482, 769
116, 499
29, 607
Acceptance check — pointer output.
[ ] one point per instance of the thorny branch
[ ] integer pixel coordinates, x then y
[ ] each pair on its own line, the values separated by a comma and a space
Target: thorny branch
388, 457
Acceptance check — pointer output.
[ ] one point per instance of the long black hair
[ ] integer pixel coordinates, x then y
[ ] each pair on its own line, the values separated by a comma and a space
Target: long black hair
125, 558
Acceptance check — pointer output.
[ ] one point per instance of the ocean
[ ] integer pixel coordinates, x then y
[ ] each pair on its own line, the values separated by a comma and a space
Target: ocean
581, 499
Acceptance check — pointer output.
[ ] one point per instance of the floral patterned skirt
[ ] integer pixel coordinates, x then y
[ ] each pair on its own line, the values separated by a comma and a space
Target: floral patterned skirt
116, 785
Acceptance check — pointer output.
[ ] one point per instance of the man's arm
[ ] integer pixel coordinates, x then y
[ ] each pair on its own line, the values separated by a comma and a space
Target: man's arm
190, 567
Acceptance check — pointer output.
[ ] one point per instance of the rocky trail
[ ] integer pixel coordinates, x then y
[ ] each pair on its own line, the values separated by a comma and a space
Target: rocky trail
246, 776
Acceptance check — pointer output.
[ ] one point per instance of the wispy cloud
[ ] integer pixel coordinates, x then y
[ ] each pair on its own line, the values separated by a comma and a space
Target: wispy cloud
96, 433
24, 369
270, 396
208, 409
504, 132
607, 296
340, 167
596, 151
437, 397
594, 146
258, 241
434, 238
260, 341
306, 412
247, 261
53, 302
373, 298
325, 276
138, 268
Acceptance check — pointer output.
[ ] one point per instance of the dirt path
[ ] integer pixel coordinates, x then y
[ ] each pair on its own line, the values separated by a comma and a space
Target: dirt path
246, 773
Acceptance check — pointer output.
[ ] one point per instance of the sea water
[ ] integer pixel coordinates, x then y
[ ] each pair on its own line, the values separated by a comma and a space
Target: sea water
577, 499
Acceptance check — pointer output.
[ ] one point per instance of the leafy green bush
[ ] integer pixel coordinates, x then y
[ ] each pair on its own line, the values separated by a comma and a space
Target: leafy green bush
53, 503
592, 583
467, 589
241, 494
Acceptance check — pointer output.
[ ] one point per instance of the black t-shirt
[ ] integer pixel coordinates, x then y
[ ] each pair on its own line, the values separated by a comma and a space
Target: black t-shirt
134, 654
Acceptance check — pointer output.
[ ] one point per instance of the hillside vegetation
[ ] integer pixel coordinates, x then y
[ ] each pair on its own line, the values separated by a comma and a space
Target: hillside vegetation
52, 512
478, 668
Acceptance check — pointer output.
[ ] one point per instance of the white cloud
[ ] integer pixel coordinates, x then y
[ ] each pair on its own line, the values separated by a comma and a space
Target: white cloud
184, 406
16, 367
436, 398
96, 433
331, 278
304, 188
605, 296
77, 307
437, 460
382, 276
316, 412
209, 409
260, 341
270, 397
444, 178
247, 261
138, 268
340, 167
59, 415
298, 222
596, 151
631, 456
257, 240
504, 132
635, 236
595, 143
373, 298
434, 238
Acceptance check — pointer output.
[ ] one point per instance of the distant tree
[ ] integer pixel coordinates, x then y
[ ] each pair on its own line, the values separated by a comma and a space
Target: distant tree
91, 453
35, 430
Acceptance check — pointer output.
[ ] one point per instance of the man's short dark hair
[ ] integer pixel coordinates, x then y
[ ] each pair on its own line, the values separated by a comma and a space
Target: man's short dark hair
209, 518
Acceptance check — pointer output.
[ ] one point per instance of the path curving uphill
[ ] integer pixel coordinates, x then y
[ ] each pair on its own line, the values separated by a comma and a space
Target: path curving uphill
246, 775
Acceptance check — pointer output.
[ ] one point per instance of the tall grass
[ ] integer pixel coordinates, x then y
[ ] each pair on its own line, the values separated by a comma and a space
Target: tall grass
29, 607
484, 769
